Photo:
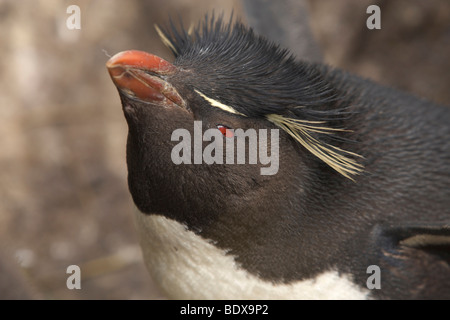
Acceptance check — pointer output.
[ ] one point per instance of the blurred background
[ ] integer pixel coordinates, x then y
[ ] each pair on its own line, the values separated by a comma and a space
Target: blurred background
63, 190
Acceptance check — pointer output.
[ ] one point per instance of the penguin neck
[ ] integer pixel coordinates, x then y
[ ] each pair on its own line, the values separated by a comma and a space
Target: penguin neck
188, 266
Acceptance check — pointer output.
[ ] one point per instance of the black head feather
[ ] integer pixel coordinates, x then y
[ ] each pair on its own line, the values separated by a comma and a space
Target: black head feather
259, 79
247, 68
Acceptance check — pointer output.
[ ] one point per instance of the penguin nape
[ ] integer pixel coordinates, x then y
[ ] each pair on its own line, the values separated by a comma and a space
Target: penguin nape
363, 174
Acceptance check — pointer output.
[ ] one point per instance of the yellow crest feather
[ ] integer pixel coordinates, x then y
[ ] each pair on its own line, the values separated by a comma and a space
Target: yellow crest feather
164, 39
335, 157
219, 104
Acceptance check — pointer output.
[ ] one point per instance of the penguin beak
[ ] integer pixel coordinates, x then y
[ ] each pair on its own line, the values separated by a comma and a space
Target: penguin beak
142, 76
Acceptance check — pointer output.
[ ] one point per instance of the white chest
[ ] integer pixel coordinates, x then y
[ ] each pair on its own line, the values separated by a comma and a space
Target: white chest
186, 266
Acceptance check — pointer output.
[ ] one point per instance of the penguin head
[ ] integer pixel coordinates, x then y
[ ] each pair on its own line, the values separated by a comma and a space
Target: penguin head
225, 78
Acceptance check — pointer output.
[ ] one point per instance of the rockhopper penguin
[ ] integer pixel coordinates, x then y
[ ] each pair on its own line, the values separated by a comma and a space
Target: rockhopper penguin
363, 175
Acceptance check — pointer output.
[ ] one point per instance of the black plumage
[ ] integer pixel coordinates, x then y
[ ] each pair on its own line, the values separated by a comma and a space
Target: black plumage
364, 174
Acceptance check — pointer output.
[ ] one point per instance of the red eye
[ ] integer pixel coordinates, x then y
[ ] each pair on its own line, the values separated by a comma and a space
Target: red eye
227, 132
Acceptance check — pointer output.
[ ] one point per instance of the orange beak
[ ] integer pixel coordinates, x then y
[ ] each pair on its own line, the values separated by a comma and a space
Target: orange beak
141, 75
